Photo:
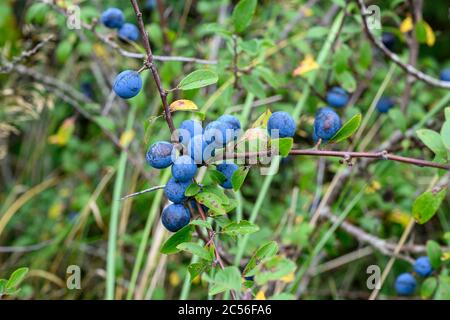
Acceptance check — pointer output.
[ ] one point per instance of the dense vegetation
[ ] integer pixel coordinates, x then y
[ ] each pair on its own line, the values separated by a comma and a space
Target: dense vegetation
347, 200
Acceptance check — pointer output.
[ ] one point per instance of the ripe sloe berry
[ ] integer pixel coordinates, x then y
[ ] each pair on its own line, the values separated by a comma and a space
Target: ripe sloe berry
385, 104
388, 40
199, 149
113, 18
233, 123
422, 266
159, 155
445, 75
326, 123
129, 32
184, 168
227, 169
218, 133
174, 190
405, 284
127, 84
283, 122
189, 129
337, 97
175, 216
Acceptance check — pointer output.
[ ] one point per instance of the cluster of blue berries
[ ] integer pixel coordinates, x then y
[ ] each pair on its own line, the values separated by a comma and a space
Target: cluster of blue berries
405, 284
114, 18
199, 145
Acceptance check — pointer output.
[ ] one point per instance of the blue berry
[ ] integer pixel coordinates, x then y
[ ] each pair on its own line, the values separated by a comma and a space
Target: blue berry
129, 32
199, 150
233, 123
150, 4
189, 129
159, 155
174, 190
175, 216
127, 84
405, 284
337, 97
445, 75
184, 169
113, 18
282, 123
388, 40
227, 169
385, 104
422, 266
326, 123
218, 133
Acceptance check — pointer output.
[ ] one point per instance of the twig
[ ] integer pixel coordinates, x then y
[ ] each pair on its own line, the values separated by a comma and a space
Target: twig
395, 58
150, 65
142, 192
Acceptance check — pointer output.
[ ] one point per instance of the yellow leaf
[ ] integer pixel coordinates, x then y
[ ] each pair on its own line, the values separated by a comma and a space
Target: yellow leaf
260, 295
373, 187
174, 279
431, 37
64, 133
55, 210
307, 11
306, 65
100, 50
445, 256
406, 25
196, 280
288, 278
180, 105
126, 137
399, 217
261, 122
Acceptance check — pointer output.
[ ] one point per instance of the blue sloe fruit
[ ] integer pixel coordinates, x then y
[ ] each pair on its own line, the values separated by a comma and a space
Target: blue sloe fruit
184, 168
219, 133
405, 284
227, 169
174, 190
159, 155
326, 123
388, 40
129, 32
283, 122
199, 149
385, 104
189, 129
445, 75
233, 123
175, 216
422, 266
337, 97
127, 84
113, 18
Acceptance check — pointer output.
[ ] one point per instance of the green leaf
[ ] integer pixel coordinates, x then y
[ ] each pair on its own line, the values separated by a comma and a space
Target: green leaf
427, 204
268, 76
201, 223
195, 269
348, 129
2, 286
217, 176
192, 190
428, 287
225, 279
347, 81
284, 146
63, 51
212, 201
340, 60
277, 267
421, 32
317, 32
447, 114
238, 177
445, 134
434, 253
365, 55
198, 79
398, 118
266, 250
218, 192
443, 291
16, 278
240, 228
243, 13
433, 141
181, 236
195, 249
252, 84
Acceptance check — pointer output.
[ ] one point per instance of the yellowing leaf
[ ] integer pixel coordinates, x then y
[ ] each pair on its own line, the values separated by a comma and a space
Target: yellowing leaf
126, 137
55, 210
373, 187
431, 37
399, 217
306, 65
181, 105
64, 133
406, 25
174, 279
260, 295
288, 278
261, 122
307, 11
100, 50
